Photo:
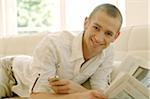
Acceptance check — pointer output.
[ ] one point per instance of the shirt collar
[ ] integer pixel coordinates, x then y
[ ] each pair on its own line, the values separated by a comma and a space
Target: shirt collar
76, 48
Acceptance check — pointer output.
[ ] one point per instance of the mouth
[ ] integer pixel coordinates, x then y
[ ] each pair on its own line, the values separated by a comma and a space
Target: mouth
96, 44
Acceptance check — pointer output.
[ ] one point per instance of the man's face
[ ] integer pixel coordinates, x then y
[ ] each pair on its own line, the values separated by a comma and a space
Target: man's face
100, 31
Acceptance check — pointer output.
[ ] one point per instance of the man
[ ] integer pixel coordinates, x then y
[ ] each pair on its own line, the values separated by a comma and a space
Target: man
74, 58
79, 58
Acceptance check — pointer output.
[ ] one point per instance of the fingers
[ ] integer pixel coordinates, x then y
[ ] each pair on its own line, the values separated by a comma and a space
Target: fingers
59, 83
98, 95
60, 86
61, 89
66, 86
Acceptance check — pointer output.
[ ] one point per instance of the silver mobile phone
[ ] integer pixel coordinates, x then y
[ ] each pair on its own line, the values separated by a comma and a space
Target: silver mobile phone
55, 78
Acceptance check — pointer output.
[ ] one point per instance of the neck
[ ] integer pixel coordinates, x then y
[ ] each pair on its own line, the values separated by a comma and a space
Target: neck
86, 53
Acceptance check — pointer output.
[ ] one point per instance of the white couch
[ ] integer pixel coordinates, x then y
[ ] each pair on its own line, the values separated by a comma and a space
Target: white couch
133, 40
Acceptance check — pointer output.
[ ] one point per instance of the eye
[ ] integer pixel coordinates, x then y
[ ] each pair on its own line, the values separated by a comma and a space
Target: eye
109, 34
96, 28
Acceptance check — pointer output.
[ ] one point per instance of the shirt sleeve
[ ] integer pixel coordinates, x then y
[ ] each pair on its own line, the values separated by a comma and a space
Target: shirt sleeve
100, 79
44, 62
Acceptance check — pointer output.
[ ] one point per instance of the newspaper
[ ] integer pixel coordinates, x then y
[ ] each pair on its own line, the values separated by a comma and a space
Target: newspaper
132, 81
127, 87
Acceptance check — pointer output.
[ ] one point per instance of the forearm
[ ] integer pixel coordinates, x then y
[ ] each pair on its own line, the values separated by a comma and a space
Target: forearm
52, 96
92, 94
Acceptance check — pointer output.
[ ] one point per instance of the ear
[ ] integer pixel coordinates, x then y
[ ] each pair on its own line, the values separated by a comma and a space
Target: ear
116, 36
86, 23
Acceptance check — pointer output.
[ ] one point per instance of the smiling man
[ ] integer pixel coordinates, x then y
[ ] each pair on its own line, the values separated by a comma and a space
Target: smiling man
87, 56
75, 58
101, 29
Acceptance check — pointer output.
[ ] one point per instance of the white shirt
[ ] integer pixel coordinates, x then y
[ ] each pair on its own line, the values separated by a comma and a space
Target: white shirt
64, 49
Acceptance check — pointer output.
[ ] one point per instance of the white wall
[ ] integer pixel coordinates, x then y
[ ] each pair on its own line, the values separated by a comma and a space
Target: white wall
8, 24
137, 12
149, 29
149, 12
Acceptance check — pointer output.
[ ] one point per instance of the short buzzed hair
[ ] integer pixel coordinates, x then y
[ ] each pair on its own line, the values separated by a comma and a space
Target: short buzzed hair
110, 9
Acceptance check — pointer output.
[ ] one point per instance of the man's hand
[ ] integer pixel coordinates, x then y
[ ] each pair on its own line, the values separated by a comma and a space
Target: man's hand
90, 94
66, 86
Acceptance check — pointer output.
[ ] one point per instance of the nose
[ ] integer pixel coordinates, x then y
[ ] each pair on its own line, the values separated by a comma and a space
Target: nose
100, 37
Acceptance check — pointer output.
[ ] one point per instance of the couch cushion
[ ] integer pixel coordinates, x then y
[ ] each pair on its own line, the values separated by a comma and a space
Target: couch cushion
24, 44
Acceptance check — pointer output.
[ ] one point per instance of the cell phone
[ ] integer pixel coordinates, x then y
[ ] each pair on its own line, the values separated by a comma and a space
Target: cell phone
52, 79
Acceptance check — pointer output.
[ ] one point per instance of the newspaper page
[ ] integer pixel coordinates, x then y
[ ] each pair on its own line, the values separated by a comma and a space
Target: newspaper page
127, 87
143, 75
